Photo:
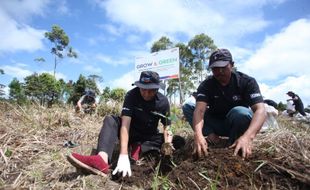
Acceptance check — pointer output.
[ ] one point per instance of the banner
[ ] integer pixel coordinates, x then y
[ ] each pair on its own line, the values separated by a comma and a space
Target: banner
165, 63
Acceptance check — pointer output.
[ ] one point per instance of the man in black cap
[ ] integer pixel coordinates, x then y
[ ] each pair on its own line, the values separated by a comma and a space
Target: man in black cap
229, 104
299, 106
137, 128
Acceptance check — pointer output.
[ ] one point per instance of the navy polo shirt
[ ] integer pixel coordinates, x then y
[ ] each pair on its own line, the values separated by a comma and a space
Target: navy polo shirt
242, 90
145, 115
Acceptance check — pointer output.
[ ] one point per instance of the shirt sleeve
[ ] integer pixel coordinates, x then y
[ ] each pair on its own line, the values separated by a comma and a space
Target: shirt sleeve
202, 92
252, 92
128, 105
82, 99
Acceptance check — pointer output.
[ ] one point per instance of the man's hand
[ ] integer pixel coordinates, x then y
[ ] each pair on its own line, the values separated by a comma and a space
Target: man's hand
167, 149
123, 165
244, 145
201, 145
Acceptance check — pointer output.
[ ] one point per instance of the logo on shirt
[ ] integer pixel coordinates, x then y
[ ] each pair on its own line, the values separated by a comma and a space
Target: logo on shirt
236, 97
255, 95
201, 95
126, 109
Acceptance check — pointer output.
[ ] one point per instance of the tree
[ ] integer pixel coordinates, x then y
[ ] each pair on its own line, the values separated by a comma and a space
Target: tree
16, 92
39, 59
95, 78
66, 90
60, 40
281, 106
105, 94
201, 47
43, 88
80, 87
2, 93
162, 44
118, 94
186, 67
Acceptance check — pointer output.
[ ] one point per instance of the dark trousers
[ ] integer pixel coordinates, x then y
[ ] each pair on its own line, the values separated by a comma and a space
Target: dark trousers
300, 109
110, 133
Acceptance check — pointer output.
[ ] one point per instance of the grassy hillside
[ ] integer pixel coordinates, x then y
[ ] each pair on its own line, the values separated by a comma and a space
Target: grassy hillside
32, 156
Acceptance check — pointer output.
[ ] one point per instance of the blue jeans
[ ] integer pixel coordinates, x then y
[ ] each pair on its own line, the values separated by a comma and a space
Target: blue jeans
188, 111
236, 122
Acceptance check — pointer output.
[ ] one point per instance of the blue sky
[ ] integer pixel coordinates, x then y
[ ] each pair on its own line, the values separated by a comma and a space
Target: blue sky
269, 39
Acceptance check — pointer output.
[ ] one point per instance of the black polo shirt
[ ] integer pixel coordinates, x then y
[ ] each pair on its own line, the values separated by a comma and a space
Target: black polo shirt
146, 114
242, 90
297, 102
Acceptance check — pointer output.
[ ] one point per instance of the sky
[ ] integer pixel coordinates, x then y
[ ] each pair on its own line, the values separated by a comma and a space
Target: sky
269, 39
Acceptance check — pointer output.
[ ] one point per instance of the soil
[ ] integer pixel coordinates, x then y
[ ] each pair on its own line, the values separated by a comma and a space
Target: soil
219, 170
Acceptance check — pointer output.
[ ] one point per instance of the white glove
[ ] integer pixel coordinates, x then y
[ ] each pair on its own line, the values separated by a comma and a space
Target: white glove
123, 165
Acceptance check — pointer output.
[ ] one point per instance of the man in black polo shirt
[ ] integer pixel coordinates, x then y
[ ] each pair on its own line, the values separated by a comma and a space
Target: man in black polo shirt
137, 128
229, 104
299, 106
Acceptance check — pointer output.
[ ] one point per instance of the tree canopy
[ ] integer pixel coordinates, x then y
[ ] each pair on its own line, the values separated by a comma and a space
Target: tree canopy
60, 42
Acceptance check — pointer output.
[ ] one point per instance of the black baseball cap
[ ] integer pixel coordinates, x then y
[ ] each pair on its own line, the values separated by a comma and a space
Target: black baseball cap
220, 58
149, 80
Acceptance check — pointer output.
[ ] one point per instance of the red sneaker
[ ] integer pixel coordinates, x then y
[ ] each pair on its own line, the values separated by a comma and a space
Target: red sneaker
135, 151
93, 164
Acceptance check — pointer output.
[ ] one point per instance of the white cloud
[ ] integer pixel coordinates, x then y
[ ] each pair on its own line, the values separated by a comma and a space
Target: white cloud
14, 35
16, 71
284, 54
23, 10
63, 8
113, 61
133, 39
281, 61
300, 85
124, 81
161, 17
111, 29
92, 69
20, 71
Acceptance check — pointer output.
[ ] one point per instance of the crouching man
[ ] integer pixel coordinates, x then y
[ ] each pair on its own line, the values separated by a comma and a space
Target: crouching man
228, 104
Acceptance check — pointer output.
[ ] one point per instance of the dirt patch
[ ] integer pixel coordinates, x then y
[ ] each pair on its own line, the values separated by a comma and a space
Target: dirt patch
219, 170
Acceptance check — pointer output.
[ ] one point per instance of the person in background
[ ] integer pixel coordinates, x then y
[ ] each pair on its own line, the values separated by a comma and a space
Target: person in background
299, 106
188, 108
228, 104
87, 103
136, 129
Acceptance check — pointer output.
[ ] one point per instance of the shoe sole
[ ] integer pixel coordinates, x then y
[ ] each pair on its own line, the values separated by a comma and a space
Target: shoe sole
80, 165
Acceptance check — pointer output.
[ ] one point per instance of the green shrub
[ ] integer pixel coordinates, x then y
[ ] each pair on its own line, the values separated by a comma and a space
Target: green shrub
105, 108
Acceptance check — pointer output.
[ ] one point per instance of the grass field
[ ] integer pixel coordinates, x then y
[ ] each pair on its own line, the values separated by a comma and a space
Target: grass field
32, 156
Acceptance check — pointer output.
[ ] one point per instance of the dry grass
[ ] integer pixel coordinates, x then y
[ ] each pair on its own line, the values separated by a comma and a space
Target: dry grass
32, 155
289, 146
32, 152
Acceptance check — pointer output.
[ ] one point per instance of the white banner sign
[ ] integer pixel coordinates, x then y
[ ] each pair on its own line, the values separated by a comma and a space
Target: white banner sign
165, 63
